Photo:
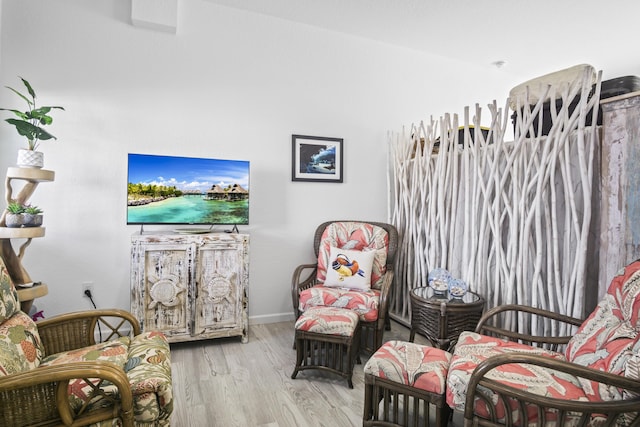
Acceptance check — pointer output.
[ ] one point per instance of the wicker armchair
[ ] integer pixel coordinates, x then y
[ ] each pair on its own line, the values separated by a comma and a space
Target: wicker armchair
309, 280
499, 377
54, 372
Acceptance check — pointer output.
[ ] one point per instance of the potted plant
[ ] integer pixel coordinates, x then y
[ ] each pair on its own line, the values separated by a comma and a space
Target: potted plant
30, 124
32, 216
14, 216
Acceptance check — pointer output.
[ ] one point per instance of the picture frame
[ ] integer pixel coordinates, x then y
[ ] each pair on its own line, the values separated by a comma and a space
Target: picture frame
316, 159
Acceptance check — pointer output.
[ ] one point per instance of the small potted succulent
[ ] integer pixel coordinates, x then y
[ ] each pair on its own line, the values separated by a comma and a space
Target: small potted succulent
14, 218
30, 124
32, 216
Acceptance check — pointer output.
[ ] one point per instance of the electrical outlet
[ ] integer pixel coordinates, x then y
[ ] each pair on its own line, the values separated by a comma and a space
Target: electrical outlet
87, 286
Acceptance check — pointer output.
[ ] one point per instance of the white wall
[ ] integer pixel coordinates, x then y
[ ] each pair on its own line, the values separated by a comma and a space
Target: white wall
229, 84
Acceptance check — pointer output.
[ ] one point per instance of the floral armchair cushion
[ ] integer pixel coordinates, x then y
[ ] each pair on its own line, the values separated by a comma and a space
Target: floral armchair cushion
146, 360
610, 335
20, 345
149, 372
359, 236
473, 348
9, 303
606, 341
110, 351
80, 392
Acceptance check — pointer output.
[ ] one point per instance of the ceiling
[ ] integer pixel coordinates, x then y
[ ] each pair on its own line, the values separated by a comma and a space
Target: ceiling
533, 37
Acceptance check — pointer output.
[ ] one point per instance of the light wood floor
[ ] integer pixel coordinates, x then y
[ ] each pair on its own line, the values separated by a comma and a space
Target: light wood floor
226, 383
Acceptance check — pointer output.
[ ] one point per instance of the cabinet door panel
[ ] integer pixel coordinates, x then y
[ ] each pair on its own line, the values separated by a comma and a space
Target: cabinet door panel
166, 291
220, 292
191, 287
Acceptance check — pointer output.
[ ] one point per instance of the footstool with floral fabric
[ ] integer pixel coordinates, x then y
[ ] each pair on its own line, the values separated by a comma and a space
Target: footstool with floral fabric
327, 338
407, 378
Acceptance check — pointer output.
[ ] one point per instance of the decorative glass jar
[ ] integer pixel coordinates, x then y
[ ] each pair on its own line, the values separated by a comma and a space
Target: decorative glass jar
457, 288
439, 280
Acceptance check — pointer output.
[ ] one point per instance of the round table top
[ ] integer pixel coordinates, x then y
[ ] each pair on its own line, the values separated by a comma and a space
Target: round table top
427, 294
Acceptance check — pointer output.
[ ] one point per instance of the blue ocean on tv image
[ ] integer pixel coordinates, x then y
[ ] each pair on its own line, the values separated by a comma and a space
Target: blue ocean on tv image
182, 190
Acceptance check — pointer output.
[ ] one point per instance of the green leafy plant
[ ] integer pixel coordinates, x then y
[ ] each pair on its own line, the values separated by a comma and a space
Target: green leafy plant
33, 210
29, 123
15, 208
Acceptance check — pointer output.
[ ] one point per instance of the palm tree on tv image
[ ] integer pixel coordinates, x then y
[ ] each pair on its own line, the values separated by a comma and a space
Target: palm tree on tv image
183, 190
317, 158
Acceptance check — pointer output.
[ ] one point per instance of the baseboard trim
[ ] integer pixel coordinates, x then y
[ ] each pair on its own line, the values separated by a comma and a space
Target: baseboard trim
271, 318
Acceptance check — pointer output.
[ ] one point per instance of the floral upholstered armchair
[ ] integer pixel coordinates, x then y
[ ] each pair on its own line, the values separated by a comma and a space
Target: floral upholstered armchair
354, 270
497, 378
54, 372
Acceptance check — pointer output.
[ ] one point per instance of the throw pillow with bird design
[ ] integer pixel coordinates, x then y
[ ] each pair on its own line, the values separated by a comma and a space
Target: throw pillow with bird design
350, 269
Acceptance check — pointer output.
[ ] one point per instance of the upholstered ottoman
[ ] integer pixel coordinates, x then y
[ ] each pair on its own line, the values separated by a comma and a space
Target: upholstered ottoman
327, 338
407, 378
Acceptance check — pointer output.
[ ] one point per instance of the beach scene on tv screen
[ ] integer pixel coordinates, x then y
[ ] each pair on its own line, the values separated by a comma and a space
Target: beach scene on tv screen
185, 190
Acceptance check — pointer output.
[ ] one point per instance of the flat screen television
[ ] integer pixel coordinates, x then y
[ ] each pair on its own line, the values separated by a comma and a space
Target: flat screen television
187, 190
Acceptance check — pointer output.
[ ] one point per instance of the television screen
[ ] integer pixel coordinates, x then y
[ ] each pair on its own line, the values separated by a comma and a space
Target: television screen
185, 190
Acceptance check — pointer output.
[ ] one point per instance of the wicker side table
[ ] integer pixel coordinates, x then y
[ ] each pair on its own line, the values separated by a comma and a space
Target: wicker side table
442, 319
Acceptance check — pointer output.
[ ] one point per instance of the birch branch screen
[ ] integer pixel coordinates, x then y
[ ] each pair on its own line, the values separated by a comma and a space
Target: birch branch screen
511, 218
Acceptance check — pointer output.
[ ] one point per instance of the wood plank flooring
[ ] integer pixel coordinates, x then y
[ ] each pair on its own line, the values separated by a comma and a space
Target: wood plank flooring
223, 382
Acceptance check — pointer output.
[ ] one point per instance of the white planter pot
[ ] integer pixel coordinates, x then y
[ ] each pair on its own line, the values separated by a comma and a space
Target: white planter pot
32, 220
13, 220
30, 158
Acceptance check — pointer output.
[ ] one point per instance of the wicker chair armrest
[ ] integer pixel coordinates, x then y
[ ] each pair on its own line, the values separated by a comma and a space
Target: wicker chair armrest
298, 283
71, 331
385, 290
484, 326
41, 394
610, 407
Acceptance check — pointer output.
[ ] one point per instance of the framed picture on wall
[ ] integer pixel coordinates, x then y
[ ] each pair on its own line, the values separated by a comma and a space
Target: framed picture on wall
316, 158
